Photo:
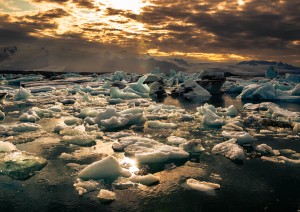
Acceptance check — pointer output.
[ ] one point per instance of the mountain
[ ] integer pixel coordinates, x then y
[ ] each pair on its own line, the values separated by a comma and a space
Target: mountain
270, 63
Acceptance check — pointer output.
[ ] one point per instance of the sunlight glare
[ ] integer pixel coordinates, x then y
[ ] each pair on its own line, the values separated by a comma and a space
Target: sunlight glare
133, 5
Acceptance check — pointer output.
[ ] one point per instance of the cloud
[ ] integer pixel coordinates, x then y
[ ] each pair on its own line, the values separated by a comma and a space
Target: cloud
203, 29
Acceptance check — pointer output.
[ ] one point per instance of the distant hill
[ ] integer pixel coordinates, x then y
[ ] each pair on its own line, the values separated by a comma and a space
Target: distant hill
6, 52
270, 63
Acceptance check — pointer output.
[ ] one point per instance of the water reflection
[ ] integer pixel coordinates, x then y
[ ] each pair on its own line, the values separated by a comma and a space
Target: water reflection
221, 100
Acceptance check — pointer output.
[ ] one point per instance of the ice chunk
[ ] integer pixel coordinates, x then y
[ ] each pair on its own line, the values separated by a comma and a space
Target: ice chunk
116, 93
148, 179
292, 77
161, 125
7, 147
139, 86
201, 185
106, 196
265, 149
106, 168
230, 111
55, 108
174, 140
271, 73
26, 127
296, 128
119, 76
193, 146
211, 119
126, 141
40, 89
22, 94
88, 112
20, 165
81, 140
59, 127
25, 117
230, 150
282, 160
157, 90
72, 121
241, 136
114, 122
191, 88
296, 90
86, 186
2, 115
258, 91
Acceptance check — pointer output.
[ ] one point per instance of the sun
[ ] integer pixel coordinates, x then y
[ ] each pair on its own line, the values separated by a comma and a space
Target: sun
132, 5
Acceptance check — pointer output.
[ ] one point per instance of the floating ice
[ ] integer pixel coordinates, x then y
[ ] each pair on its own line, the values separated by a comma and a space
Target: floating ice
258, 91
2, 115
116, 93
22, 94
41, 89
7, 147
271, 73
156, 89
230, 111
139, 86
26, 127
148, 179
161, 125
72, 121
230, 150
296, 128
108, 167
210, 118
81, 140
106, 196
191, 88
292, 77
241, 136
29, 116
174, 140
151, 151
20, 165
193, 146
201, 185
87, 112
86, 186
282, 160
265, 149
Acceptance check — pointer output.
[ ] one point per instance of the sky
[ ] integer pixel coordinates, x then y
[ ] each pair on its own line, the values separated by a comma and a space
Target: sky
198, 30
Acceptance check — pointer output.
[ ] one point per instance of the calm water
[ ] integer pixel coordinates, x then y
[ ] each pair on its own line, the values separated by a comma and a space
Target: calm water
252, 186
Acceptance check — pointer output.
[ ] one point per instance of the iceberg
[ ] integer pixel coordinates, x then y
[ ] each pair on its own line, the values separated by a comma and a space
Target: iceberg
271, 73
258, 91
